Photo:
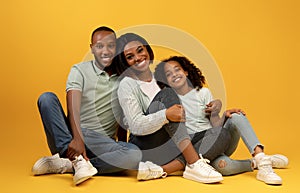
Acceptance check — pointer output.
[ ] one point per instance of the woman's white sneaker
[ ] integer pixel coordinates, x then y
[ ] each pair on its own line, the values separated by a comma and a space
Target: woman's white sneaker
148, 171
201, 171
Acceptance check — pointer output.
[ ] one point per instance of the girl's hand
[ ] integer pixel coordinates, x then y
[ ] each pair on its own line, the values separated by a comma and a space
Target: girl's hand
214, 107
228, 113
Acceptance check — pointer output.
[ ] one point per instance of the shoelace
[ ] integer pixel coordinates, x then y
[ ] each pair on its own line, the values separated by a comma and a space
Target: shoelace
78, 163
157, 174
154, 172
205, 164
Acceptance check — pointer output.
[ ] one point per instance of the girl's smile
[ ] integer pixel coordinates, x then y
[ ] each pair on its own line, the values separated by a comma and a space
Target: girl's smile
176, 77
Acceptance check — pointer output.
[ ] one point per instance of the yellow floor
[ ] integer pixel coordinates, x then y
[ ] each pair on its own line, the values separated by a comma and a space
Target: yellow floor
16, 177
25, 142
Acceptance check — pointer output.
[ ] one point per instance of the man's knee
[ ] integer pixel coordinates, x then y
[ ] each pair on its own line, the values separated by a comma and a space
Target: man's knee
46, 98
133, 154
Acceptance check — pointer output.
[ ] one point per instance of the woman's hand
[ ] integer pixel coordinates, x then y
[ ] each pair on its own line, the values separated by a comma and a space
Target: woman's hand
176, 113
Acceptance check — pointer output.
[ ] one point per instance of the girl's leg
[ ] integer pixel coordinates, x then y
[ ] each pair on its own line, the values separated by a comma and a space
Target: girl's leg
227, 166
238, 124
224, 164
212, 142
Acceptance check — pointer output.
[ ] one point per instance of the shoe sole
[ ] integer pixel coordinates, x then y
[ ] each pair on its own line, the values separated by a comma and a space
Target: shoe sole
142, 176
202, 180
274, 182
83, 178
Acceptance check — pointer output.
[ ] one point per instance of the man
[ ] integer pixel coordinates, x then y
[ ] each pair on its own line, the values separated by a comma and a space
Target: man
86, 135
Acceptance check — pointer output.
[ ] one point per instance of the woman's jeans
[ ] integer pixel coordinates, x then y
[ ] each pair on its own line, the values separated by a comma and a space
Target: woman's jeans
239, 127
105, 154
161, 147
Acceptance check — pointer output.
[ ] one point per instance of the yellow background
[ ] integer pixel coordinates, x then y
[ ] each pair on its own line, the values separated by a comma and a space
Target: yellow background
255, 43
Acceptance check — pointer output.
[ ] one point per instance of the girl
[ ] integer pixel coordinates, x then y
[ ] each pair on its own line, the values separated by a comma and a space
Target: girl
154, 120
187, 80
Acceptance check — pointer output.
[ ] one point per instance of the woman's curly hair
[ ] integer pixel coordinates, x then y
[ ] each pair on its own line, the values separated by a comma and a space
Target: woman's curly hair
195, 77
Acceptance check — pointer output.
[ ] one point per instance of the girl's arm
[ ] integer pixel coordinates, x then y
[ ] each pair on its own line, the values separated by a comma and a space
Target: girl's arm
227, 113
214, 108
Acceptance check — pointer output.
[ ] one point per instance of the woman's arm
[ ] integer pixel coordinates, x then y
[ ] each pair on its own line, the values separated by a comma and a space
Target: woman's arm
138, 122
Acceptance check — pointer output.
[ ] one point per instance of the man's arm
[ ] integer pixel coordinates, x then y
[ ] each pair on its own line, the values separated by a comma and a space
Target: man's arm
76, 146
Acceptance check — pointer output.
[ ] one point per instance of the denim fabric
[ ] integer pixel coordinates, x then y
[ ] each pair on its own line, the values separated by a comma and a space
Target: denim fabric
239, 127
105, 154
232, 166
212, 142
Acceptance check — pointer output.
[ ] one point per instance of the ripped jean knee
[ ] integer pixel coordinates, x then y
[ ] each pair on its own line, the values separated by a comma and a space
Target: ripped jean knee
227, 166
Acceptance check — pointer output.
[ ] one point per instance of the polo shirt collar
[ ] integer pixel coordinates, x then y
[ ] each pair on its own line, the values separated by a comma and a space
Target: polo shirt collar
97, 70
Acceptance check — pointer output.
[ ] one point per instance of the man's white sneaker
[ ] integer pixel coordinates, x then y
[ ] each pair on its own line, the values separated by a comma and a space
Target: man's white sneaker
52, 165
83, 170
265, 172
148, 171
201, 171
277, 160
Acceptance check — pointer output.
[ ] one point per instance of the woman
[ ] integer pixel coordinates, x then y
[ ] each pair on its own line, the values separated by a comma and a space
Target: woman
154, 119
187, 80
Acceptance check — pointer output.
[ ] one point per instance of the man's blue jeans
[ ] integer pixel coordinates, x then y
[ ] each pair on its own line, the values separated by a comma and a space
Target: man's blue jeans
107, 155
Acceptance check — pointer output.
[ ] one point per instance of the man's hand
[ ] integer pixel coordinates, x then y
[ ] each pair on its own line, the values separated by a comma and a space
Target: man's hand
176, 113
76, 147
